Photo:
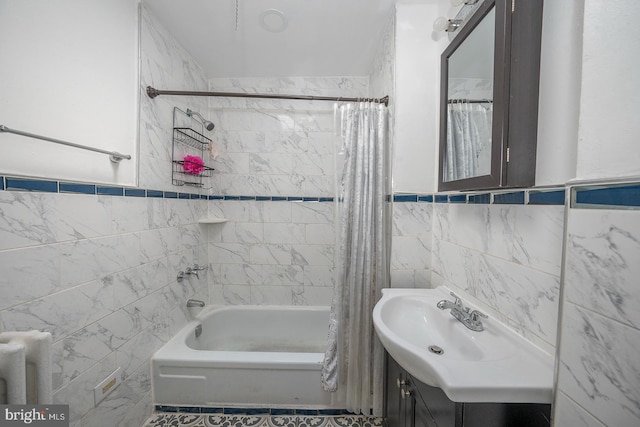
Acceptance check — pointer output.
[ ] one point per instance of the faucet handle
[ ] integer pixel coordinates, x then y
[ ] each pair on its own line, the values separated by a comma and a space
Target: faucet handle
196, 267
475, 315
458, 301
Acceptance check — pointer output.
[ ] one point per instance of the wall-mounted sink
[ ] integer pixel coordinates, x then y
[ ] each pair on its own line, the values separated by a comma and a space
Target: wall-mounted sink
495, 365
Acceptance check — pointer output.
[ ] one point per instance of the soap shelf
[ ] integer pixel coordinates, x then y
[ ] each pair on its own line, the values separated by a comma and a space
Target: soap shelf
188, 142
212, 220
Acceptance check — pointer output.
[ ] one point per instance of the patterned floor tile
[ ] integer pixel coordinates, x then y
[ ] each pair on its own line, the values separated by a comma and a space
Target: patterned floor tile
232, 420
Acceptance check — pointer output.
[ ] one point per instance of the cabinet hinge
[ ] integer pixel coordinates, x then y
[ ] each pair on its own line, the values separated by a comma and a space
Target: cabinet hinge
513, 6
507, 154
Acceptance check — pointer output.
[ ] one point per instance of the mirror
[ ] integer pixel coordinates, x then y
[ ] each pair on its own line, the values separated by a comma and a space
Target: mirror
489, 98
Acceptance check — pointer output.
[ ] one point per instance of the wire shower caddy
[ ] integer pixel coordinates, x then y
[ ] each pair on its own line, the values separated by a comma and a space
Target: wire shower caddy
188, 146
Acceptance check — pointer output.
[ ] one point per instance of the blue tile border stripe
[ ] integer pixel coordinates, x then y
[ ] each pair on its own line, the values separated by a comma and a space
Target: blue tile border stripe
110, 191
22, 184
480, 199
250, 411
614, 196
583, 195
72, 187
555, 197
514, 198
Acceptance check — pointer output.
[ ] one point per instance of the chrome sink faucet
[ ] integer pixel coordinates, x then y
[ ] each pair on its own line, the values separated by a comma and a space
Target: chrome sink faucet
470, 319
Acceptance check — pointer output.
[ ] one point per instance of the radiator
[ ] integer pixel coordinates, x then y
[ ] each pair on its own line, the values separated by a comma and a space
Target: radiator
25, 367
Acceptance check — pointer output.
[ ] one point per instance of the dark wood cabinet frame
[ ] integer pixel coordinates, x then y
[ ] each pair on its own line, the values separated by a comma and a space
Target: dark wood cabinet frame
518, 33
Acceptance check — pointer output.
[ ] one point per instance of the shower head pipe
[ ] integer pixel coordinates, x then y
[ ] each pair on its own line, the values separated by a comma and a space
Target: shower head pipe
207, 123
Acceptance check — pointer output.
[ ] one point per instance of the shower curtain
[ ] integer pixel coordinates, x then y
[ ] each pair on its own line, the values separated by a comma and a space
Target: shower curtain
353, 364
468, 140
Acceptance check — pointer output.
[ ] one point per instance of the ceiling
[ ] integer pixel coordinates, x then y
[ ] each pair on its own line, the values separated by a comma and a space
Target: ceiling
317, 37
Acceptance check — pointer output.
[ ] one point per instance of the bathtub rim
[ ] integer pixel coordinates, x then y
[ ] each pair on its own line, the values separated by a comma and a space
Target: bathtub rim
177, 351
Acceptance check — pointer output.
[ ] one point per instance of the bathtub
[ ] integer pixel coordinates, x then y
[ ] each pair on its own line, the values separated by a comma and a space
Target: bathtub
245, 356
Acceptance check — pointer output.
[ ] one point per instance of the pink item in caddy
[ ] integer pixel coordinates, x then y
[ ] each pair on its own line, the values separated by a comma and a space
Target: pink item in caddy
193, 165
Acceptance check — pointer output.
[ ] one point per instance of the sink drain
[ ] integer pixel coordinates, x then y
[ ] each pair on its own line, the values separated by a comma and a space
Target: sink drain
435, 349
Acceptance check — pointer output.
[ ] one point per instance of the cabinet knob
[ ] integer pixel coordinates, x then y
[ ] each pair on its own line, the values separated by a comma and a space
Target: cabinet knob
404, 393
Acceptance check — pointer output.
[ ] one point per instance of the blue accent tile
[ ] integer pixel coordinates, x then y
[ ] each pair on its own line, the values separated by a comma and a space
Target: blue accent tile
458, 198
238, 411
231, 197
166, 408
483, 199
73, 187
258, 411
555, 197
626, 195
405, 197
170, 195
278, 199
216, 197
306, 412
515, 198
193, 196
294, 199
110, 191
1, 182
183, 196
155, 194
212, 410
425, 198
32, 185
441, 198
248, 198
134, 192
263, 198
277, 411
332, 412
325, 199
204, 197
189, 409
310, 199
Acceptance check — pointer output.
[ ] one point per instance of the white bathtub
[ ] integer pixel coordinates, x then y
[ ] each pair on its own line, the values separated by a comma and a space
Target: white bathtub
246, 356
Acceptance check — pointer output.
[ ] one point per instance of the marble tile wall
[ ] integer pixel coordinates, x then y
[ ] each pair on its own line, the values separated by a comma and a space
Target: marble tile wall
98, 272
506, 258
275, 252
164, 64
272, 252
599, 373
277, 147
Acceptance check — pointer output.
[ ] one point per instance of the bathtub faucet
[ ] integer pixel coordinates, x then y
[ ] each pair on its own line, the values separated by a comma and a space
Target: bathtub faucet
195, 303
194, 270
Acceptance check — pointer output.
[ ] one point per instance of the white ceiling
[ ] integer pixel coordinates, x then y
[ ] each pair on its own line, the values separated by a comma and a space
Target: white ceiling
322, 38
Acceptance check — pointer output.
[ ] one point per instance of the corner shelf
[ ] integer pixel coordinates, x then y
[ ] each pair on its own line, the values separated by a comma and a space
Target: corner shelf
212, 220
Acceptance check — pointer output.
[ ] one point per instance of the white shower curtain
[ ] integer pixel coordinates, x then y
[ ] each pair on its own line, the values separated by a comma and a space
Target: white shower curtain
353, 365
468, 140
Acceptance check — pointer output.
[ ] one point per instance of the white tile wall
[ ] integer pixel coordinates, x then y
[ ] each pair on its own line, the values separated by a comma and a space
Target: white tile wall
504, 257
98, 272
599, 375
272, 253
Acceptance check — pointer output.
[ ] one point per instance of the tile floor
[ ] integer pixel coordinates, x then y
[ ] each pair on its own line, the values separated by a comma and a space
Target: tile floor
164, 419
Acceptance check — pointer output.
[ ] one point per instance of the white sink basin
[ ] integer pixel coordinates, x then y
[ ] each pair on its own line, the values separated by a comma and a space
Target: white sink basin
495, 365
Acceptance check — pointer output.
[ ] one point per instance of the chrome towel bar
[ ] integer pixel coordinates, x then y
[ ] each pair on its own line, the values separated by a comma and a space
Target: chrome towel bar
113, 155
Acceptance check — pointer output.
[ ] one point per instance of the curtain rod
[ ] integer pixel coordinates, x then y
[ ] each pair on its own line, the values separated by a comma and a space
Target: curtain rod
153, 92
469, 101
113, 155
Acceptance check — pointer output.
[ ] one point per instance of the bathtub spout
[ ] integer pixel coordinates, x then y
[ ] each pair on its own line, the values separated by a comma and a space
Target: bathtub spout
195, 303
